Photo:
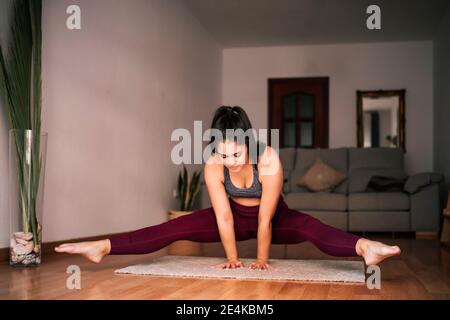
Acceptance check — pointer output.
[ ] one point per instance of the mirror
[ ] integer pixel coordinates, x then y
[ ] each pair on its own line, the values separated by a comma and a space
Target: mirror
381, 119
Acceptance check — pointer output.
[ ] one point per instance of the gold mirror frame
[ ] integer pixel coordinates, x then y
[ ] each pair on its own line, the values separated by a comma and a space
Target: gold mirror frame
381, 94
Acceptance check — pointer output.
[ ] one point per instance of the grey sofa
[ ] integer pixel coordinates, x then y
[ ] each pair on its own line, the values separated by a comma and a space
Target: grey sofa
349, 206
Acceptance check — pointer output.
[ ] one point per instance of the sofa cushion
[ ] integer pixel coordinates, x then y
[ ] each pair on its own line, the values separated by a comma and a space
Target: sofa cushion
287, 158
379, 221
316, 201
286, 181
321, 177
360, 177
373, 201
305, 157
375, 158
337, 219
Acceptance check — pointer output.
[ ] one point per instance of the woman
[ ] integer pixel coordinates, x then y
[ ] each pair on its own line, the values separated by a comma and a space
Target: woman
245, 192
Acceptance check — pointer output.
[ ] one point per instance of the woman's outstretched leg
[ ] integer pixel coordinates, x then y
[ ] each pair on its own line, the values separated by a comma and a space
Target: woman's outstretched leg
199, 226
293, 226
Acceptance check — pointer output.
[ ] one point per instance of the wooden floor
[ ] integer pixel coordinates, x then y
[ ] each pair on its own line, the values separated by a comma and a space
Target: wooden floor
421, 272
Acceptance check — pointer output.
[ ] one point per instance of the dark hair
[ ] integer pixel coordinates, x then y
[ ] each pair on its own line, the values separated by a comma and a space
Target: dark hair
227, 117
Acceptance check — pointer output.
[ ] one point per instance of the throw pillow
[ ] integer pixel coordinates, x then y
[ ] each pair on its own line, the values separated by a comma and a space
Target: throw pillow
321, 177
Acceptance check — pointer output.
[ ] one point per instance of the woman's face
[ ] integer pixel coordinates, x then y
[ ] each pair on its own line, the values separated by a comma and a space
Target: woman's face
232, 154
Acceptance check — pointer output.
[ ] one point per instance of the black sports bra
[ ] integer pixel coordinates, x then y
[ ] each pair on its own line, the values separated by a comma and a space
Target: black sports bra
254, 191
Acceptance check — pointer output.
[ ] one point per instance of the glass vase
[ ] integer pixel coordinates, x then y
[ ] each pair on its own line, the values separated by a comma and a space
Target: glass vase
27, 157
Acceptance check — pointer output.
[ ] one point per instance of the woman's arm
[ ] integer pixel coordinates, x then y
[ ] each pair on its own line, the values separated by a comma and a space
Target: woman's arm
222, 209
272, 182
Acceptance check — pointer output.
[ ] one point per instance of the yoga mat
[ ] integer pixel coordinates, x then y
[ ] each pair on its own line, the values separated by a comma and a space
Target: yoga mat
283, 269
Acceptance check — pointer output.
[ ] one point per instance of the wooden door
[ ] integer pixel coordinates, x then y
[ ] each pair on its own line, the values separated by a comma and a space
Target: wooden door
299, 108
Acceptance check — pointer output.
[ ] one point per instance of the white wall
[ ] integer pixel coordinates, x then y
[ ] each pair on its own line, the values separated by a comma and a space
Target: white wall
442, 104
113, 93
350, 67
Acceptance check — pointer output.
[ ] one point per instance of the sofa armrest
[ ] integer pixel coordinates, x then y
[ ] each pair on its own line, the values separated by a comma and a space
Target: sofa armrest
425, 209
421, 180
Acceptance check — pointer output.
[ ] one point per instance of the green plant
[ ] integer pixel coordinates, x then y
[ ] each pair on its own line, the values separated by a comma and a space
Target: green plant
20, 90
187, 189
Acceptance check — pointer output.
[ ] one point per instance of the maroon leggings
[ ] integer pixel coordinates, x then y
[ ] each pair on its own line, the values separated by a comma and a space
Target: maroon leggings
288, 227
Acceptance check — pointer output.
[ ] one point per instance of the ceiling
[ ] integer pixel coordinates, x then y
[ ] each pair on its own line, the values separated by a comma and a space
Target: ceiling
250, 23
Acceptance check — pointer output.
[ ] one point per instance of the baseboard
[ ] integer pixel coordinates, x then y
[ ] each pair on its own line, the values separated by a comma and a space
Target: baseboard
426, 235
48, 247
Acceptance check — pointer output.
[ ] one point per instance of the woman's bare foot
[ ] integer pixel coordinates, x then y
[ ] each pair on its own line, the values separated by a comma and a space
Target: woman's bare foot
374, 252
91, 250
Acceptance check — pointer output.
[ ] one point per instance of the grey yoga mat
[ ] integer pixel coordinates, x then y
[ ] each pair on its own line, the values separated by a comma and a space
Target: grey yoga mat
283, 269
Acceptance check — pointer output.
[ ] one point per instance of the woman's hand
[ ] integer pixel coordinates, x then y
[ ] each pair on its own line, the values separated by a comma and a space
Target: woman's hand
260, 264
230, 264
